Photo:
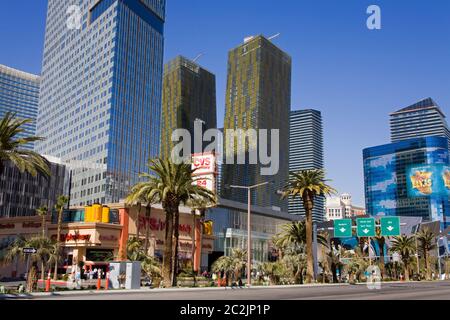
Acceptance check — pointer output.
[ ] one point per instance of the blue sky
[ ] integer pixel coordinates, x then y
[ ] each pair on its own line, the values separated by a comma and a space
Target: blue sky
355, 76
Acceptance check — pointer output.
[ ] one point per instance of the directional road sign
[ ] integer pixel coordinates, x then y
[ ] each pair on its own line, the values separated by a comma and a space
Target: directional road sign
390, 226
365, 227
29, 250
343, 228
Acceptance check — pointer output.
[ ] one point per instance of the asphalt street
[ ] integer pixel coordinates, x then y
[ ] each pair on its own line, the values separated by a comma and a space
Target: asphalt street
392, 291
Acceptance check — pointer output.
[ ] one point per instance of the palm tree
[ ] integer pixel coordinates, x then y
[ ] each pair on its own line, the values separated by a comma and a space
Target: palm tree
294, 234
274, 270
171, 185
59, 206
308, 184
295, 264
427, 242
42, 212
14, 252
223, 264
232, 265
357, 265
151, 267
381, 240
405, 247
44, 247
134, 249
12, 147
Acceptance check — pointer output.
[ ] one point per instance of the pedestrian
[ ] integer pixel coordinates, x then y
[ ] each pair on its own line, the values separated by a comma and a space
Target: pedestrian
240, 283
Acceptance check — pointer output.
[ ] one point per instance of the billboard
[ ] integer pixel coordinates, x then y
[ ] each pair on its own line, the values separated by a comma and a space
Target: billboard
427, 180
205, 170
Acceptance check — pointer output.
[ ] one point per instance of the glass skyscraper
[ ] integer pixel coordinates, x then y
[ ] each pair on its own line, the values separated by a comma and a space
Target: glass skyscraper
305, 153
100, 102
189, 93
258, 96
386, 179
19, 94
422, 119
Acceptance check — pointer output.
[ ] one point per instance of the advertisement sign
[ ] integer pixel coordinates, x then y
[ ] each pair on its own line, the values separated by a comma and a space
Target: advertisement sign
427, 180
205, 170
207, 182
204, 164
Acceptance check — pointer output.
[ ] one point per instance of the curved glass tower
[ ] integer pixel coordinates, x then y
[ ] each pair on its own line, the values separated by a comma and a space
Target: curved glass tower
100, 102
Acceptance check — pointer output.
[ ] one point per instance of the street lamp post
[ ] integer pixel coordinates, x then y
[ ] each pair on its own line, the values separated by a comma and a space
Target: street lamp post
249, 229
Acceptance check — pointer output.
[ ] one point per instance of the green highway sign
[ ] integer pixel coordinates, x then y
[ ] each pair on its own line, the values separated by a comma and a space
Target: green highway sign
390, 226
365, 227
343, 228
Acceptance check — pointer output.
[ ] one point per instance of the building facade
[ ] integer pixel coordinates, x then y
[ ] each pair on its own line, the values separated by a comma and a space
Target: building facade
258, 97
21, 194
341, 207
189, 94
305, 153
100, 102
387, 176
229, 220
422, 119
19, 94
96, 242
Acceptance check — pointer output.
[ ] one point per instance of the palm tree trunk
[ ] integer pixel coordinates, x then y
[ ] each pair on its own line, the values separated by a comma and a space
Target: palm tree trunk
168, 241
148, 211
193, 241
406, 272
43, 226
176, 233
203, 214
381, 242
308, 205
42, 271
58, 239
427, 263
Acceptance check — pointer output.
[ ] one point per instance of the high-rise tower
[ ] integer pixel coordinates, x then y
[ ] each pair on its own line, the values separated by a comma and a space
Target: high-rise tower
258, 96
100, 102
19, 94
305, 153
189, 94
422, 119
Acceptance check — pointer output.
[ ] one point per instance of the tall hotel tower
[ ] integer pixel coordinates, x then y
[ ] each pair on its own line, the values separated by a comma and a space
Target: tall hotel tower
258, 96
100, 102
189, 93
19, 94
422, 119
305, 153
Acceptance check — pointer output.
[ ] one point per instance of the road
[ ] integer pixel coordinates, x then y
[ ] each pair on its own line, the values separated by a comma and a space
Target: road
393, 291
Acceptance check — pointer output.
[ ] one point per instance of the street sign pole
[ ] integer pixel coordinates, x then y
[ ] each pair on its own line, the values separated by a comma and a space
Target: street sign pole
370, 258
28, 265
316, 269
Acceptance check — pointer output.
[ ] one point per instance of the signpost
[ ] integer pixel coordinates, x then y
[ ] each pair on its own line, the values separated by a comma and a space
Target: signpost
343, 228
365, 227
390, 226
